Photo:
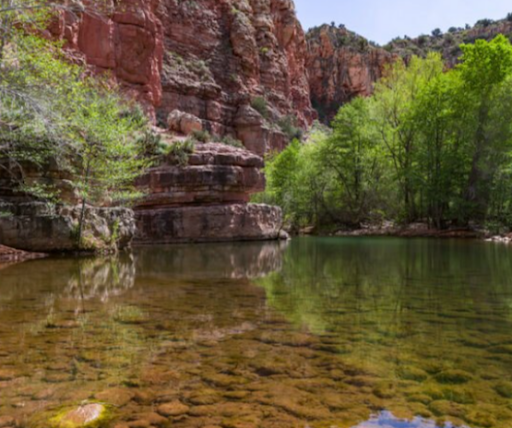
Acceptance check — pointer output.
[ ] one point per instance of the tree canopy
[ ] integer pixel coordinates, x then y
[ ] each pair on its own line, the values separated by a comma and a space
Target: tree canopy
430, 145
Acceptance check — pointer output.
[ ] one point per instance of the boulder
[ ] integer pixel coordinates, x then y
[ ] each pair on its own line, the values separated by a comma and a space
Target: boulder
206, 200
184, 123
208, 223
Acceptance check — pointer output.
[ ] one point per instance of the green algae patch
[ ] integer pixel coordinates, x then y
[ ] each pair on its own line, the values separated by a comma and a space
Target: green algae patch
93, 415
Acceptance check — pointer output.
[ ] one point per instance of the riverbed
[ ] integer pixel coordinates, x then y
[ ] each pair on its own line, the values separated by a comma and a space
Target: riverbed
316, 332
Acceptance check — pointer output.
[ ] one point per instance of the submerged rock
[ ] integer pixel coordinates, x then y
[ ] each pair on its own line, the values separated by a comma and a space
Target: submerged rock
176, 408
7, 421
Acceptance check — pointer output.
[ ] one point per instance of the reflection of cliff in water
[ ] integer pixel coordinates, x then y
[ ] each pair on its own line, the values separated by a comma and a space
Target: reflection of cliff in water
102, 278
76, 279
211, 261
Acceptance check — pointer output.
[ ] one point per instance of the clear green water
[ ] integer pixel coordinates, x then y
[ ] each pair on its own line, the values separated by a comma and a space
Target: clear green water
315, 333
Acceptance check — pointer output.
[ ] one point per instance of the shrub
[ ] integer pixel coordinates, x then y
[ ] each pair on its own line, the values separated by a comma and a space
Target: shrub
437, 32
232, 141
201, 136
484, 23
288, 125
422, 40
151, 143
180, 151
260, 105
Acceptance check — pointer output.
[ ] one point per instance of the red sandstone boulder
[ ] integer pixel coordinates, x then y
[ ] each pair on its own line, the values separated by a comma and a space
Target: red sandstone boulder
184, 123
207, 200
208, 223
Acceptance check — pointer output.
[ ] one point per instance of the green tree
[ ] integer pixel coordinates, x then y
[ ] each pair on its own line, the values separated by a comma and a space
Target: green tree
395, 101
56, 121
484, 69
351, 153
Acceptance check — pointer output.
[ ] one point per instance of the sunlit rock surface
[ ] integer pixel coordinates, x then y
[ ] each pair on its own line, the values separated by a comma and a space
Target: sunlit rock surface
208, 58
206, 200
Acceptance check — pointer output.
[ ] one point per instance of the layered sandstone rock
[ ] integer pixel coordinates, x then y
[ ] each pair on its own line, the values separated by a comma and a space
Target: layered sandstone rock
208, 58
39, 227
126, 41
341, 66
207, 200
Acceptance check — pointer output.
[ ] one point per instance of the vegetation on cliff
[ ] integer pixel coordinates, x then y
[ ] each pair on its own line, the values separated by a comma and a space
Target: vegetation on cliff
448, 44
65, 136
428, 145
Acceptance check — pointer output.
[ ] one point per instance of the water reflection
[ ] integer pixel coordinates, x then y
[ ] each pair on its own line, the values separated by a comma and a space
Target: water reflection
387, 420
319, 333
206, 261
424, 327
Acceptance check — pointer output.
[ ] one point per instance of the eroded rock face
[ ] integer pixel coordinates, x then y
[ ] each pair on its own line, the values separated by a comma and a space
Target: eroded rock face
34, 226
127, 42
341, 66
215, 174
209, 58
207, 200
209, 223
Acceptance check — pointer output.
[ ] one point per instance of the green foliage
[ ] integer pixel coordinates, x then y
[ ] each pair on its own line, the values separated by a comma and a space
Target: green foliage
180, 151
261, 106
54, 117
288, 125
201, 136
232, 141
428, 145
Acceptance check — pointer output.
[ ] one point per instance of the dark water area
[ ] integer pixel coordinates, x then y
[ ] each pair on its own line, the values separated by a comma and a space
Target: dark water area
314, 333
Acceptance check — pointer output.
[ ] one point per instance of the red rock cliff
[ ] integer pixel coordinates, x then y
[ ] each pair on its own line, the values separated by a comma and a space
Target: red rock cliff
210, 58
341, 66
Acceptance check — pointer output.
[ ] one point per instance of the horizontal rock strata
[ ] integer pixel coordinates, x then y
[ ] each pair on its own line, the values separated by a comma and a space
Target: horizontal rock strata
210, 223
207, 200
34, 226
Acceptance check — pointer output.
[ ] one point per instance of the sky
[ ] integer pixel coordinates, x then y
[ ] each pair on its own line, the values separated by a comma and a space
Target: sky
382, 20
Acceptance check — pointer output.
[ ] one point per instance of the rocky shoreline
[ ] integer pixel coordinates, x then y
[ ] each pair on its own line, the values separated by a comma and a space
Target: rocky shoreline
414, 230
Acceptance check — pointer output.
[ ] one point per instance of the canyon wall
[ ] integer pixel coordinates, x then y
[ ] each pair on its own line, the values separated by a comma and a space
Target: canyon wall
341, 66
210, 58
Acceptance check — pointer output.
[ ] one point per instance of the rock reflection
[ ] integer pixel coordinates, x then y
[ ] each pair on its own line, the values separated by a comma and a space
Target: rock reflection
212, 261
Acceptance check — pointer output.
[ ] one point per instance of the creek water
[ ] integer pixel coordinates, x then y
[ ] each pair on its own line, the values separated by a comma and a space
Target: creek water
317, 332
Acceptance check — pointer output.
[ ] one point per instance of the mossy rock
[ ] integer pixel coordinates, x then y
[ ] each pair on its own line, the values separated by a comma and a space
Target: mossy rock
459, 394
412, 373
419, 398
502, 349
93, 415
443, 408
385, 389
453, 377
504, 388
